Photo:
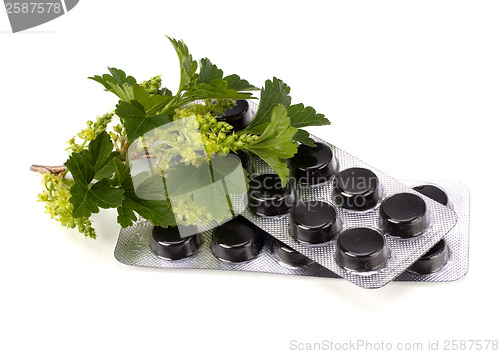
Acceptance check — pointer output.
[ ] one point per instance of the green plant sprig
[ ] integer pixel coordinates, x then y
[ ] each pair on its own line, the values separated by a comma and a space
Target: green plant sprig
97, 175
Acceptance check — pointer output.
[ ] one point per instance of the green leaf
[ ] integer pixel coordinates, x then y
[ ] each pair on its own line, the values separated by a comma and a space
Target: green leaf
117, 78
136, 120
87, 165
158, 212
150, 188
81, 167
236, 83
303, 137
107, 170
93, 163
120, 77
187, 64
301, 116
208, 72
126, 215
151, 103
101, 153
276, 143
87, 200
274, 93
217, 89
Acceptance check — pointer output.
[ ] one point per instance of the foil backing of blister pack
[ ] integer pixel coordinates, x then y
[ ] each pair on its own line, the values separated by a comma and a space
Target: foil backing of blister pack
403, 252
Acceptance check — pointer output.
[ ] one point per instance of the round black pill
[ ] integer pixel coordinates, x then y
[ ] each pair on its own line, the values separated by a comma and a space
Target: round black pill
168, 243
237, 240
267, 197
314, 222
361, 249
404, 215
290, 256
246, 160
356, 189
434, 260
433, 192
239, 116
313, 165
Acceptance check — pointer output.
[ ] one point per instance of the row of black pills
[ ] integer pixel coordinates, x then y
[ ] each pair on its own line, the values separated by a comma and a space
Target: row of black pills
237, 240
234, 241
402, 215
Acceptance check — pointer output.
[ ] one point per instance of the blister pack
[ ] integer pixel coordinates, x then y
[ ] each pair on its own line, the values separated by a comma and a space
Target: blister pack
135, 247
346, 215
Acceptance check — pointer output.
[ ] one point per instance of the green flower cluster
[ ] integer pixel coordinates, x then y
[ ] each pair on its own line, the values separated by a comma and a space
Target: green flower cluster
189, 213
153, 85
56, 198
219, 106
218, 137
88, 134
168, 142
118, 136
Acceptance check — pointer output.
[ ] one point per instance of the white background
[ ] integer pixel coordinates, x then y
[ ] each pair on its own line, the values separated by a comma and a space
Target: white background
410, 87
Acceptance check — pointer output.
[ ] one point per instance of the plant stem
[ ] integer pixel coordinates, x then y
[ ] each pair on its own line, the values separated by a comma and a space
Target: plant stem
55, 170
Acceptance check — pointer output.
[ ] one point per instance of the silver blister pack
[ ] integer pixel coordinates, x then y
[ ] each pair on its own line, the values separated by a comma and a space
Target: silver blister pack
133, 248
402, 252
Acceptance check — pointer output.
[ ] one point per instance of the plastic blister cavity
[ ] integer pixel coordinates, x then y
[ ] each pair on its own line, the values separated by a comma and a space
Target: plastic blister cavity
313, 165
404, 215
314, 222
237, 240
448, 260
167, 243
267, 197
357, 189
239, 116
362, 249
